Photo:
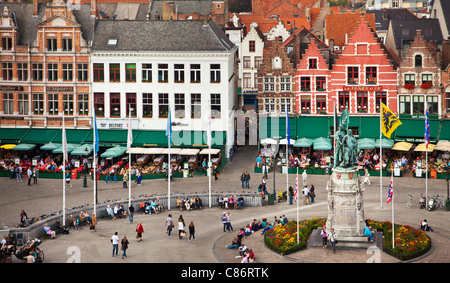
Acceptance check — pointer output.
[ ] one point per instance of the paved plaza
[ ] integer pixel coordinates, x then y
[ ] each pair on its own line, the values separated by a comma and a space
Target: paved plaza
209, 246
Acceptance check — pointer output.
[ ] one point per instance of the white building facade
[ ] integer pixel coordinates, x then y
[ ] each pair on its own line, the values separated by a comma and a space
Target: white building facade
193, 81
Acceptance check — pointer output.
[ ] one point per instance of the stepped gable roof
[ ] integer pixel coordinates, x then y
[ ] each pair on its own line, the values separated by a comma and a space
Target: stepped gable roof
28, 24
160, 36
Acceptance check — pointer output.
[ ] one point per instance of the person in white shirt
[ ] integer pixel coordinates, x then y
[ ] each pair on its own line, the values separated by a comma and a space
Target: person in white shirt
305, 193
115, 243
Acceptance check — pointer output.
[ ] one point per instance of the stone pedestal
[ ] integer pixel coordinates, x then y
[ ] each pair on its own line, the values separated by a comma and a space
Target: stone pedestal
345, 204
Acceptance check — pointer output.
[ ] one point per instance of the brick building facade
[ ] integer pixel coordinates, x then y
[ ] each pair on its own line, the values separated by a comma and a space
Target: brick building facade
45, 65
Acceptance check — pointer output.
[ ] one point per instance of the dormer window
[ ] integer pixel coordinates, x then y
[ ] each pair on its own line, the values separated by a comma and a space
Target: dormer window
312, 63
112, 42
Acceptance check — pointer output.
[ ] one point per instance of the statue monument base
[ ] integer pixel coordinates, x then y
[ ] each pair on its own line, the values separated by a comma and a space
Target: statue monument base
346, 207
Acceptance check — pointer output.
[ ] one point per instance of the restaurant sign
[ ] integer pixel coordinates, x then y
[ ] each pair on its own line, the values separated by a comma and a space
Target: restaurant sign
362, 88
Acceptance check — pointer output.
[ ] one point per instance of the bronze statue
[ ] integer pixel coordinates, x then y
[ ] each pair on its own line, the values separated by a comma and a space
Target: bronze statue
346, 145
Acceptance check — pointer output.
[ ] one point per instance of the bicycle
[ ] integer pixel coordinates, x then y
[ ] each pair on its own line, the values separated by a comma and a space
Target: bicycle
409, 202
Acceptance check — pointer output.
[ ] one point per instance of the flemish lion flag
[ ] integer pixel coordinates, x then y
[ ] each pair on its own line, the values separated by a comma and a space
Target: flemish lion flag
389, 121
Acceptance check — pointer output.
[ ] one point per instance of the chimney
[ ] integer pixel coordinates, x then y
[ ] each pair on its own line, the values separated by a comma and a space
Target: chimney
384, 15
93, 8
35, 8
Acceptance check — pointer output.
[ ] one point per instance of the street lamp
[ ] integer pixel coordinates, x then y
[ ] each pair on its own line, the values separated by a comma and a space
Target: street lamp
86, 151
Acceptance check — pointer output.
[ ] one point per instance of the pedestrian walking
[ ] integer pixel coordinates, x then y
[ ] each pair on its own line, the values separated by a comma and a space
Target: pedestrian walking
225, 222
124, 246
68, 183
131, 213
30, 175
305, 178
229, 222
125, 177
305, 193
169, 224
247, 180
115, 243
243, 179
107, 177
312, 194
192, 231
181, 232
139, 231
333, 239
291, 195
93, 223
366, 177
35, 175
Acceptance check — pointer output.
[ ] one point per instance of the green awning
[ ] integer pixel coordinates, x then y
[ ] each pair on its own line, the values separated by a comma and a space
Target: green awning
444, 134
76, 136
70, 148
12, 135
114, 151
81, 150
24, 146
385, 143
40, 136
313, 126
303, 142
150, 138
413, 130
50, 146
370, 127
110, 137
366, 143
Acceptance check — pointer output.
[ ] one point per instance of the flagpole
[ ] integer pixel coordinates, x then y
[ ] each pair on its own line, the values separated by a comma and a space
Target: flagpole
426, 153
288, 138
209, 141
169, 166
94, 163
393, 221
296, 199
129, 157
381, 160
64, 171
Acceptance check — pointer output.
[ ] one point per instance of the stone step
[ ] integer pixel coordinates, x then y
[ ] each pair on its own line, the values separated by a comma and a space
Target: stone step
360, 242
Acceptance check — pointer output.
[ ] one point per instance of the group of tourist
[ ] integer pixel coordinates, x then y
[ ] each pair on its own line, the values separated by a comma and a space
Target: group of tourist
189, 203
232, 202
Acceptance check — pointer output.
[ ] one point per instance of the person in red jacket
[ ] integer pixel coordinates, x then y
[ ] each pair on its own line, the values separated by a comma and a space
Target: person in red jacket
139, 230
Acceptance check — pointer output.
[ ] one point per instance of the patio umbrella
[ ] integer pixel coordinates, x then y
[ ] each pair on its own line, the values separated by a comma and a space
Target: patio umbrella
366, 143
442, 146
402, 146
284, 141
385, 143
8, 146
303, 142
268, 141
422, 147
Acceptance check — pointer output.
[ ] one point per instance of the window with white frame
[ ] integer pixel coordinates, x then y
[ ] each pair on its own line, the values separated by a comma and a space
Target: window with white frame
67, 72
22, 71
163, 104
269, 105
68, 104
196, 105
179, 73
269, 84
147, 105
215, 73
163, 72
285, 102
83, 104
23, 103
247, 80
195, 73
179, 105
215, 105
52, 72
52, 103
38, 103
82, 72
404, 104
433, 104
8, 103
147, 73
7, 71
285, 84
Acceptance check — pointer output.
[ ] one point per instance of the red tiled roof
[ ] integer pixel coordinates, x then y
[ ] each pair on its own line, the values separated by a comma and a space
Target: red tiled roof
337, 25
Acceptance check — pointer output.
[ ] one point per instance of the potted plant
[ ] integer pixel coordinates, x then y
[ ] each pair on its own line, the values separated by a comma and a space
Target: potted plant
426, 85
409, 86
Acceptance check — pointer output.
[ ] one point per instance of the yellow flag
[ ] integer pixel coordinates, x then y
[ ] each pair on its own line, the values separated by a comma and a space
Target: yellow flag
389, 122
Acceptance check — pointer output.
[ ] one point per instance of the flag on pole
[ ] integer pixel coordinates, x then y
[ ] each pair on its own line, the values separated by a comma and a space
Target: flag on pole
64, 144
169, 129
208, 132
130, 133
427, 129
390, 192
288, 131
389, 122
96, 135
296, 188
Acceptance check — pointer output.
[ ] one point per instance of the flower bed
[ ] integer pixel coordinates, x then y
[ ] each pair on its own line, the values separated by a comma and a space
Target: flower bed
409, 242
283, 238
